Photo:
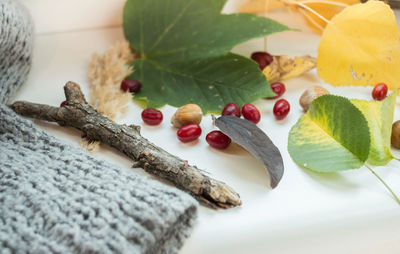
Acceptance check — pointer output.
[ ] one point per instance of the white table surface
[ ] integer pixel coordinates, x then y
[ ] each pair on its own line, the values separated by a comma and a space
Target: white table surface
348, 212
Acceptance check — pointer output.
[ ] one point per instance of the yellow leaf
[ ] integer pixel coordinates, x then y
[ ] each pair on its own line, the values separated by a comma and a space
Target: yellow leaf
361, 47
284, 67
326, 9
261, 6
316, 12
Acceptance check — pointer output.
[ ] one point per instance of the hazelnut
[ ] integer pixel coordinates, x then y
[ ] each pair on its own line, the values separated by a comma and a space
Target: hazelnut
189, 113
395, 139
311, 94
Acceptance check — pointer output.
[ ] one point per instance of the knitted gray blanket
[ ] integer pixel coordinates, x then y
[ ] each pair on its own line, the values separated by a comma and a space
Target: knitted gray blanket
55, 198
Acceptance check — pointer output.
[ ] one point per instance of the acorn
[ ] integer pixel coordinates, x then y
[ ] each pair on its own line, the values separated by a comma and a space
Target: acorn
395, 139
187, 114
311, 94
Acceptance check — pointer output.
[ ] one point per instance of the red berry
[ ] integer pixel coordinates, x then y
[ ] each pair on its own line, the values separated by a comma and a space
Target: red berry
131, 84
152, 116
262, 58
380, 91
251, 113
63, 104
278, 88
189, 132
281, 109
218, 139
231, 109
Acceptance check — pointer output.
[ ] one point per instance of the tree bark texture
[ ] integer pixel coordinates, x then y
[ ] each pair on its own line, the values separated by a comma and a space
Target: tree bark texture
77, 113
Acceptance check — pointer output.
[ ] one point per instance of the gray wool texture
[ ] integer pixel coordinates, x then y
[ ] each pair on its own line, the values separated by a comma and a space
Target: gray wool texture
16, 36
56, 198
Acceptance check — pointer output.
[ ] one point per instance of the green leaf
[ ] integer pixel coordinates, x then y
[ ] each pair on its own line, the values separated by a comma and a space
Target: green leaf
184, 48
379, 115
211, 83
333, 135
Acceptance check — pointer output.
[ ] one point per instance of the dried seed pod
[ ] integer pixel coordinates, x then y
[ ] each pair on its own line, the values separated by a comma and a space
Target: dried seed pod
396, 134
189, 113
311, 94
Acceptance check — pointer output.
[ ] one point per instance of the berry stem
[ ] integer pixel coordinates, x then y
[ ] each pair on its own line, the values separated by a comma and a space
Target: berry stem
384, 183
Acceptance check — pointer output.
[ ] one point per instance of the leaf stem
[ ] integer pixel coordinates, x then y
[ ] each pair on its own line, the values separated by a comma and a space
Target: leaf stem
312, 11
344, 5
309, 18
396, 158
384, 183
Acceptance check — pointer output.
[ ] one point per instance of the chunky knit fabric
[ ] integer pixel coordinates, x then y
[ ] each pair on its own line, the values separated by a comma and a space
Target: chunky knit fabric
56, 198
15, 47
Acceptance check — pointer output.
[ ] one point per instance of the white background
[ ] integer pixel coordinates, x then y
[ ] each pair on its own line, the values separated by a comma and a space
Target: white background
348, 212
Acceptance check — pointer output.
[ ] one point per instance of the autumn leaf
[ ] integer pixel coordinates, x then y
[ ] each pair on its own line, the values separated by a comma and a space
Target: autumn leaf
332, 136
255, 141
285, 67
317, 13
379, 115
313, 11
261, 6
360, 47
338, 134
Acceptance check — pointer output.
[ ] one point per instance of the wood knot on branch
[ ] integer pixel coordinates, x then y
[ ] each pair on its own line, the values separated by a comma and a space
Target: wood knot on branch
135, 128
184, 165
73, 93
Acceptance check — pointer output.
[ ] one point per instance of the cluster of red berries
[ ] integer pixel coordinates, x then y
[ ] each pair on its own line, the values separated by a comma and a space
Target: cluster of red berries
189, 132
282, 106
249, 112
186, 133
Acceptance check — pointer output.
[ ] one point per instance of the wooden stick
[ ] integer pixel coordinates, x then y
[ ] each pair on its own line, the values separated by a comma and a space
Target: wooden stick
79, 114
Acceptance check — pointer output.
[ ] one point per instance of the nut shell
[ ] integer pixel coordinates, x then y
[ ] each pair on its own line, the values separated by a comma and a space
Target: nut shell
395, 139
311, 94
187, 114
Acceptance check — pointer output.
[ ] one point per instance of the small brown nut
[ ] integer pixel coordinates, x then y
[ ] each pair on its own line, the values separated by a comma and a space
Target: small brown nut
395, 139
189, 113
311, 94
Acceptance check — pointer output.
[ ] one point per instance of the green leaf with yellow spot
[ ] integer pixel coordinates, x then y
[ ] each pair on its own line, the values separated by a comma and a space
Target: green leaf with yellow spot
333, 135
379, 115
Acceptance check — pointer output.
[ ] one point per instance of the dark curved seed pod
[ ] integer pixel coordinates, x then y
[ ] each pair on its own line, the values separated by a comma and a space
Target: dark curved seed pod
254, 140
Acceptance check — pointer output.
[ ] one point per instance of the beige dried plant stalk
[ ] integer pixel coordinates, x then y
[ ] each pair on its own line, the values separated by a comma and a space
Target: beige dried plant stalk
105, 75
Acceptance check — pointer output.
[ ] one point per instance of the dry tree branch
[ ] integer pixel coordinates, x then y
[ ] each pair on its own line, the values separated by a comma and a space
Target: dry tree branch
77, 113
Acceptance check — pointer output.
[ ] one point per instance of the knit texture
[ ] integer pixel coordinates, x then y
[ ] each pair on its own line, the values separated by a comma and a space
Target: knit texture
15, 47
56, 198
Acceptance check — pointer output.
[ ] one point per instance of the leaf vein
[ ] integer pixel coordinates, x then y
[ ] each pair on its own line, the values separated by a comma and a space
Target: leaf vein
170, 26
